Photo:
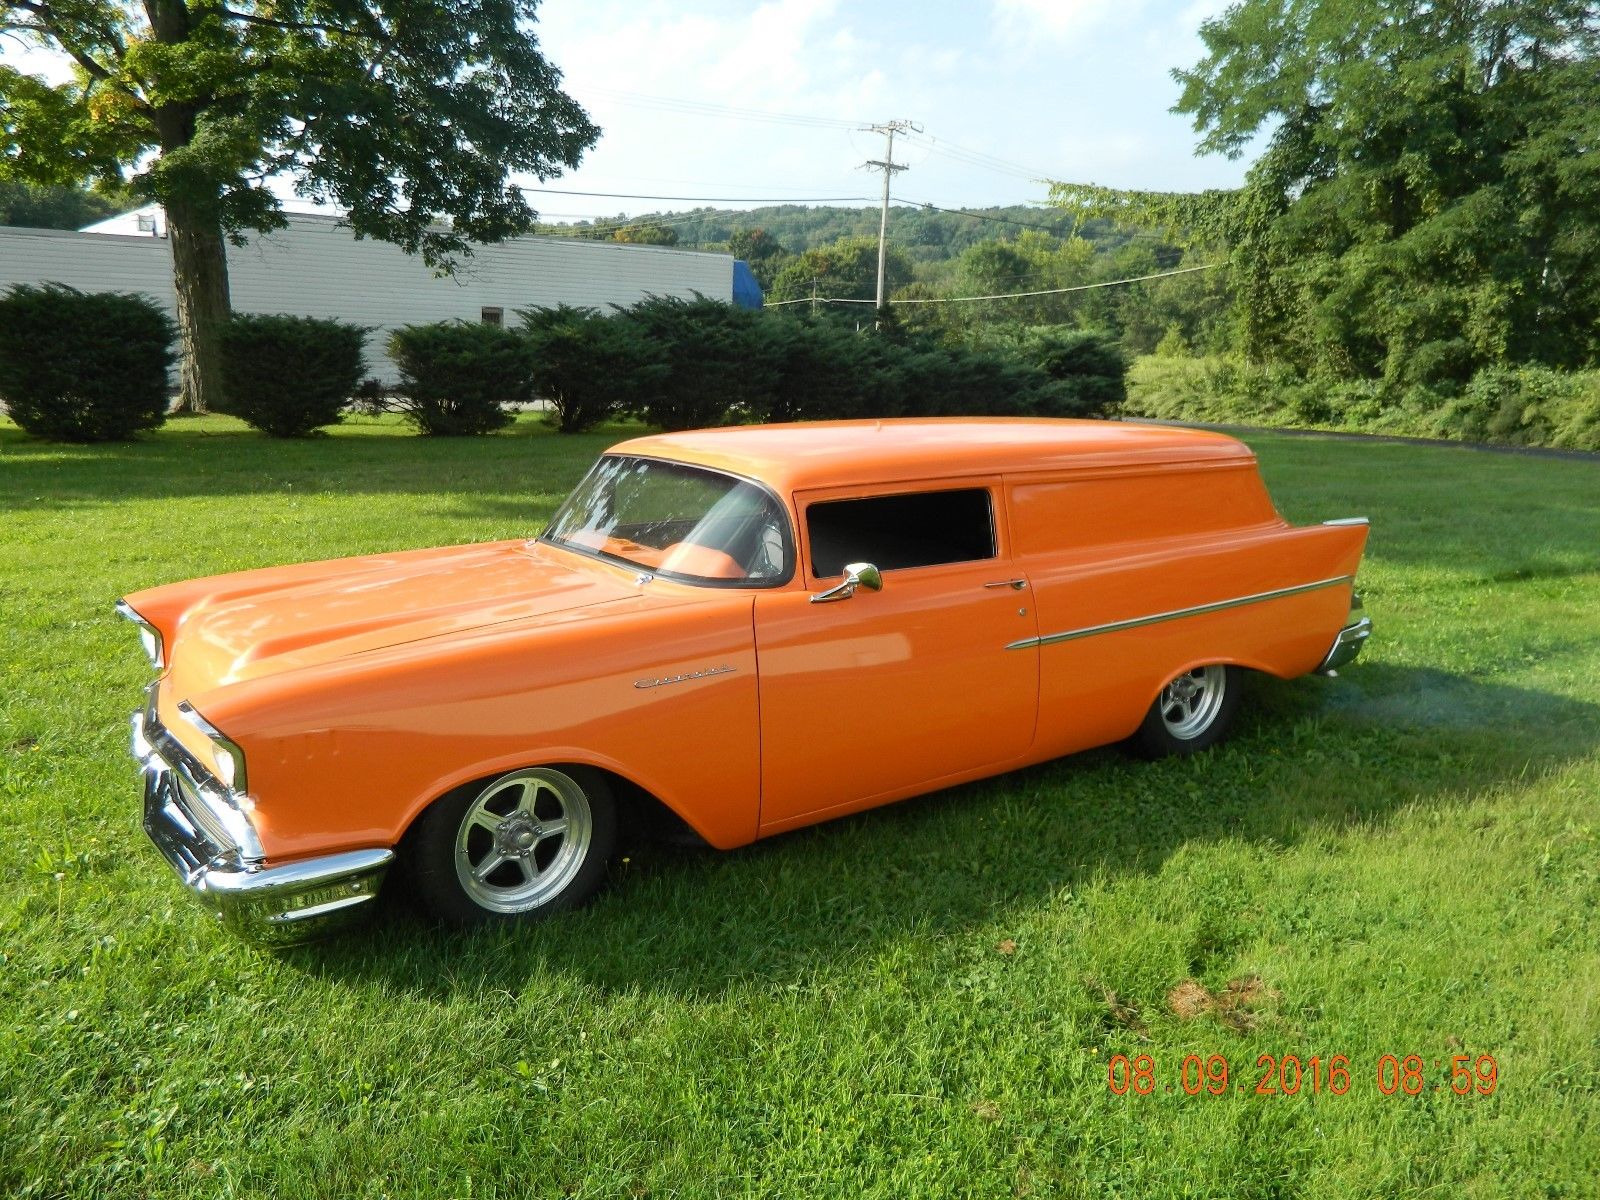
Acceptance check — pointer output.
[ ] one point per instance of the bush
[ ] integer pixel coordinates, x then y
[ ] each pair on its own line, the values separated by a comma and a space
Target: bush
935, 381
370, 398
1525, 406
1087, 371
589, 367
820, 371
287, 376
1222, 390
456, 378
716, 360
1515, 405
83, 366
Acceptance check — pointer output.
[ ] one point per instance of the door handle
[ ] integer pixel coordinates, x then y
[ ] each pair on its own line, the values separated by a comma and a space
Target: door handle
1015, 585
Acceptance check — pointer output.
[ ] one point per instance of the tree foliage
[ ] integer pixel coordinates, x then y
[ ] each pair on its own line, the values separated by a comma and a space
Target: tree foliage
764, 254
647, 233
401, 111
847, 268
40, 206
409, 114
1428, 203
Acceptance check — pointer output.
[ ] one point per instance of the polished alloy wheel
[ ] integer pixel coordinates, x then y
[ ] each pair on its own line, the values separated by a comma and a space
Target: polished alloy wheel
1190, 703
521, 841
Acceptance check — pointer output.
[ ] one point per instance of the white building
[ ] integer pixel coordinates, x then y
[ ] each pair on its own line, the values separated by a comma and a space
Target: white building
315, 267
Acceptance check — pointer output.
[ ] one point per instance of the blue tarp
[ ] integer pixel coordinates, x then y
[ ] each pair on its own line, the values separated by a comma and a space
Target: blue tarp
746, 291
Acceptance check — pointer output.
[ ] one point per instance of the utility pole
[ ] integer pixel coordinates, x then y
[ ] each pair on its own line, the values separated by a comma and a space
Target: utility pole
888, 166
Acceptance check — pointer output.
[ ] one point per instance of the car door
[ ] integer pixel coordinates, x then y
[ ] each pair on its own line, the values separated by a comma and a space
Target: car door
878, 693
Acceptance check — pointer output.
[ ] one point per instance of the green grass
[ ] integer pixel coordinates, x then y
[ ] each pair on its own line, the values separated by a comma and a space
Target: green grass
1407, 856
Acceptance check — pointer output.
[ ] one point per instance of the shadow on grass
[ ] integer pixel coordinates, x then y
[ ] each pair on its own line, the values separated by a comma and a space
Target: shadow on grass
360, 460
1310, 757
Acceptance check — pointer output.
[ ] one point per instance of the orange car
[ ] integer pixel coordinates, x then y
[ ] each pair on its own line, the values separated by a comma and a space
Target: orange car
754, 629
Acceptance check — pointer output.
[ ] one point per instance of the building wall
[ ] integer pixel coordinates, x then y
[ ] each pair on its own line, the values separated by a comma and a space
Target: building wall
316, 268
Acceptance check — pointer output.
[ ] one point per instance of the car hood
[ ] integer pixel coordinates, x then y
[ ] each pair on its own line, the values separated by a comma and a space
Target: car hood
353, 609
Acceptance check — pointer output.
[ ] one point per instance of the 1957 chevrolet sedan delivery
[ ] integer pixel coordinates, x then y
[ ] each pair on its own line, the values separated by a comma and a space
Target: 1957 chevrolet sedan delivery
755, 628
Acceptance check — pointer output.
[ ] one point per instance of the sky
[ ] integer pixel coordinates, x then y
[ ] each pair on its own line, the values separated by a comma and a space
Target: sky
1006, 92
741, 103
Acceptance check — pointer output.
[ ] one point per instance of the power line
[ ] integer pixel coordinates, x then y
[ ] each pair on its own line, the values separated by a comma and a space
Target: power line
980, 158
726, 111
537, 191
1082, 287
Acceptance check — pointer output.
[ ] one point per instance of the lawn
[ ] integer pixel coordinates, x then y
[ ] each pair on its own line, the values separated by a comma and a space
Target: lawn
922, 1001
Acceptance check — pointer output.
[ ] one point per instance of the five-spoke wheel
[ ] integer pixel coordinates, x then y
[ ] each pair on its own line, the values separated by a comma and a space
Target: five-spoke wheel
1193, 712
523, 844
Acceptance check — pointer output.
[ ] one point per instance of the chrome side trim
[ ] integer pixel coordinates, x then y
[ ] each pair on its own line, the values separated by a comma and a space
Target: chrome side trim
703, 673
1348, 521
1177, 614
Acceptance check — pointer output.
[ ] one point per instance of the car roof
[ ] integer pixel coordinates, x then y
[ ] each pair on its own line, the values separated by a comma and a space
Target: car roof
823, 454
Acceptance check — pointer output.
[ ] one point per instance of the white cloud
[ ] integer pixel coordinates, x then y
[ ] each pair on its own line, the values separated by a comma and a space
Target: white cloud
1024, 22
782, 54
798, 57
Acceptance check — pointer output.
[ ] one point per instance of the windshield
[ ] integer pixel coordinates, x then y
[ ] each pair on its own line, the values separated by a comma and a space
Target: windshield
677, 521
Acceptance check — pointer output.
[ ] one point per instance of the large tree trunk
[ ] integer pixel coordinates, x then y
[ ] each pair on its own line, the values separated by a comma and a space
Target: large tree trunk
200, 275
194, 228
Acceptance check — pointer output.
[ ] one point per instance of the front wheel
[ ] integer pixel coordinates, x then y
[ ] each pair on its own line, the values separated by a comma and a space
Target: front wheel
524, 845
1193, 712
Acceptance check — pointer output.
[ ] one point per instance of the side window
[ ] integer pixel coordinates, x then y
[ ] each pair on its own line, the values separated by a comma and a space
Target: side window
919, 529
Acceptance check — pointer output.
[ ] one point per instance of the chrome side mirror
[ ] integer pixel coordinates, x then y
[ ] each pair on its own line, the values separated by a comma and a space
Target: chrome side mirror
855, 575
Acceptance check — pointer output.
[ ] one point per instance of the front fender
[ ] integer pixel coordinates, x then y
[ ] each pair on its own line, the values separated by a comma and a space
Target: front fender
347, 754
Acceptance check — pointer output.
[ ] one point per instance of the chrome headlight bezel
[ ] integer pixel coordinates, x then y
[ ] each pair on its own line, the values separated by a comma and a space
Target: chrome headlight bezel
149, 636
227, 757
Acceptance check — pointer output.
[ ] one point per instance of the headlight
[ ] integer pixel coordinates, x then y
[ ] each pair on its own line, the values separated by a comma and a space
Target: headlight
149, 635
227, 756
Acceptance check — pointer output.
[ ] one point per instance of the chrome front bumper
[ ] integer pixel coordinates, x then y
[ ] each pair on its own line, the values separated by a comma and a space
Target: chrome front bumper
204, 833
1349, 641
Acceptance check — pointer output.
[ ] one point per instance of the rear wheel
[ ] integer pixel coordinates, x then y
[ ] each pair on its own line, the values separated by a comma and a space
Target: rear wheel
1193, 712
524, 845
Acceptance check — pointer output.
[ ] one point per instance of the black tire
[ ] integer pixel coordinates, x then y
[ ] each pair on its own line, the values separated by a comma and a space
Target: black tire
1194, 712
513, 818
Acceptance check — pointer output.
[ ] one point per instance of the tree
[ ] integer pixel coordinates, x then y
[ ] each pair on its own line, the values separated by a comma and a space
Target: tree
647, 234
763, 252
411, 114
848, 269
1429, 201
43, 207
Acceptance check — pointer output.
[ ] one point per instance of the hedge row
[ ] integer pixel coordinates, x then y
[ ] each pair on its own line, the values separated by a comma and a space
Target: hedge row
94, 366
86, 367
683, 364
